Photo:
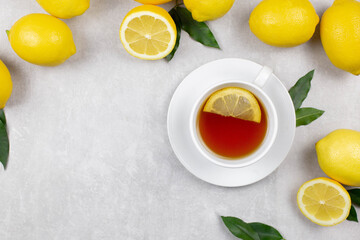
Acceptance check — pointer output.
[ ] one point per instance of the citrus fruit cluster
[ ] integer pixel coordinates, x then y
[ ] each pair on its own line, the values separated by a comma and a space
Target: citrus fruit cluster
325, 201
44, 39
149, 32
40, 39
288, 23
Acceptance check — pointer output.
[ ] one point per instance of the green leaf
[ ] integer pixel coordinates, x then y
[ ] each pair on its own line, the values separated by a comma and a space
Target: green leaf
266, 232
178, 24
353, 215
4, 144
199, 31
2, 116
305, 116
7, 32
301, 89
355, 196
240, 229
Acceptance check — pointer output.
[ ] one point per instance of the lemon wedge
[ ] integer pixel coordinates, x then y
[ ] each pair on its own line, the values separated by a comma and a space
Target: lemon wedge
234, 102
324, 201
148, 32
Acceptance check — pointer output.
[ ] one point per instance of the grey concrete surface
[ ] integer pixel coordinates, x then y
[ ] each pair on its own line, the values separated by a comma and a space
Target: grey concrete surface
90, 157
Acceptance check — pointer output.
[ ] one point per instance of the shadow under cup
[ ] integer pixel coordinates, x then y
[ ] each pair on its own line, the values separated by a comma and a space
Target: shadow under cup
262, 149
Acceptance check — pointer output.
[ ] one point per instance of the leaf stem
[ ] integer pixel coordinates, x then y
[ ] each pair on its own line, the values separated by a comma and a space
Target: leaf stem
178, 3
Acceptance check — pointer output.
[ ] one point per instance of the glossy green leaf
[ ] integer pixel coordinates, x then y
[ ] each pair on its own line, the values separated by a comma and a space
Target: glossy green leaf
305, 116
240, 229
301, 89
2, 116
266, 232
199, 31
178, 24
353, 215
4, 144
355, 196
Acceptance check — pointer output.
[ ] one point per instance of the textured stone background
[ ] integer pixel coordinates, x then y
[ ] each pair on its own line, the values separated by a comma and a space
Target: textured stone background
90, 157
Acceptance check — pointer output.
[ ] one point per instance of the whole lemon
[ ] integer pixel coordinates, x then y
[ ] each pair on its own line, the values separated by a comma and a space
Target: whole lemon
65, 8
153, 2
42, 39
339, 156
340, 35
5, 85
205, 10
284, 23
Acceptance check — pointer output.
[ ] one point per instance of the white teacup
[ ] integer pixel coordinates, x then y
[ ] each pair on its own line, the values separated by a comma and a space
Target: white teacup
255, 86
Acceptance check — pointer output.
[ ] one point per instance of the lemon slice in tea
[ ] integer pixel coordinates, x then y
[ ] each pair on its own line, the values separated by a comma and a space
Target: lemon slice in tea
234, 102
324, 201
148, 32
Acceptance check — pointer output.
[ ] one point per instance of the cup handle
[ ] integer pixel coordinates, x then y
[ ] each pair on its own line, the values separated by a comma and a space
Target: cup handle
263, 76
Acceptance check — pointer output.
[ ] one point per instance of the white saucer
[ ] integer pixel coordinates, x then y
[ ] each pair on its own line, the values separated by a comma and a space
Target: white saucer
183, 101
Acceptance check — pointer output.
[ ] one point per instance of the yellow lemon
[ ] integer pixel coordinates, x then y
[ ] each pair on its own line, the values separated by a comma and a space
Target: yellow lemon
339, 156
340, 35
324, 201
42, 39
234, 102
65, 8
154, 2
206, 10
5, 85
148, 32
284, 23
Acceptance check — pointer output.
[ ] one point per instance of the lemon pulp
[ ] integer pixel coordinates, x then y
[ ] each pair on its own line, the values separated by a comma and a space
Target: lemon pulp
234, 102
324, 201
148, 32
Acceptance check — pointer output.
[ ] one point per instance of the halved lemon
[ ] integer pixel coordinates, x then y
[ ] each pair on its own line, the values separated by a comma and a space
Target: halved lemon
148, 32
234, 102
324, 201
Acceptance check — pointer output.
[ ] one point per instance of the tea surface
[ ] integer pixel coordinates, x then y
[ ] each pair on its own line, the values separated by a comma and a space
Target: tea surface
231, 137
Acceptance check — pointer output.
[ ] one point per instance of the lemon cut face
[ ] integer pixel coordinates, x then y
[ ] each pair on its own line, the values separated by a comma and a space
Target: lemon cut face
324, 201
234, 102
148, 32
